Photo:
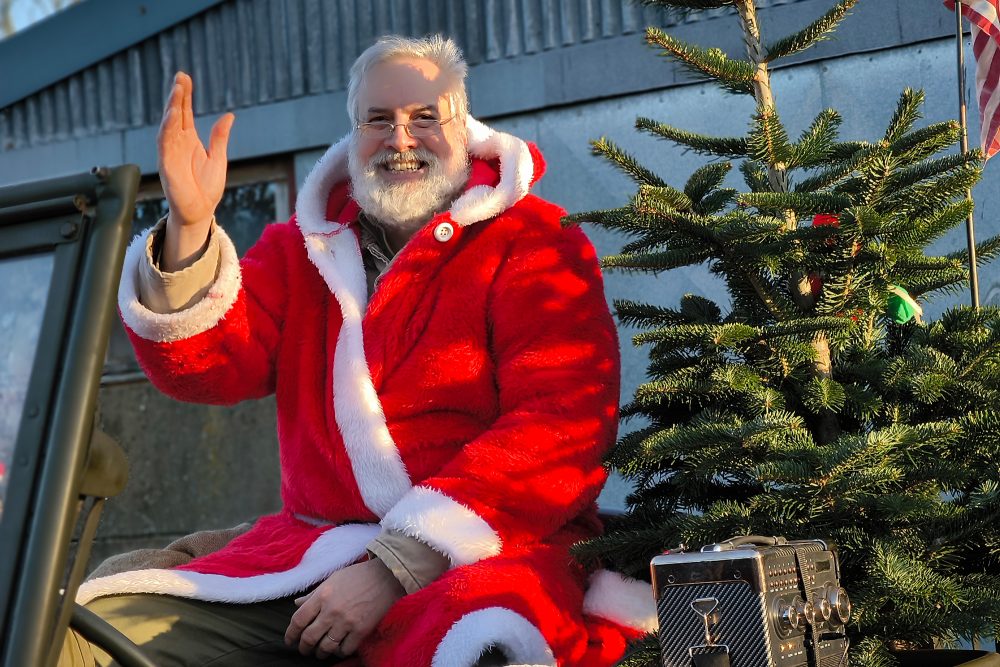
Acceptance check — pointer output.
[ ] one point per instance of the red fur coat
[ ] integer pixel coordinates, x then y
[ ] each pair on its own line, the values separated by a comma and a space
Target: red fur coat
467, 405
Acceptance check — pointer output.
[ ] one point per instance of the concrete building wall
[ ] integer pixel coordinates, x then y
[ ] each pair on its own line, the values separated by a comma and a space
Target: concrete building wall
557, 72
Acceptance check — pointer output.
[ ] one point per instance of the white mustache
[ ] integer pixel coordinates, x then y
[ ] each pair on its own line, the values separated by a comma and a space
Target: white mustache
385, 156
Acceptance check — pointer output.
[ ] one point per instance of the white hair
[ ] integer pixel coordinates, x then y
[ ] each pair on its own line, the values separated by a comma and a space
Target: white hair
441, 51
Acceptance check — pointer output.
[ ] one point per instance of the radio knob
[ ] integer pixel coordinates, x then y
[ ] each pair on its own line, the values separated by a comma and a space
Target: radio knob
824, 610
807, 611
840, 604
789, 619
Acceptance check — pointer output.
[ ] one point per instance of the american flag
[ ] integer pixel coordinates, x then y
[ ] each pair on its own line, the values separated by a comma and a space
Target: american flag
984, 16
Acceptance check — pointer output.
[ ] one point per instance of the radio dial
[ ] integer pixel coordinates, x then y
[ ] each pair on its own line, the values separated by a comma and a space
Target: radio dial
789, 618
840, 604
823, 610
806, 610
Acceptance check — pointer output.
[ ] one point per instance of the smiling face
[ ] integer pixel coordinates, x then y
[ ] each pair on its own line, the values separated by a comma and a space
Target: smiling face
403, 180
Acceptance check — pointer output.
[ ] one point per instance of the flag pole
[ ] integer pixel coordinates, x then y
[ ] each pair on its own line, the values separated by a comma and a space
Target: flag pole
970, 230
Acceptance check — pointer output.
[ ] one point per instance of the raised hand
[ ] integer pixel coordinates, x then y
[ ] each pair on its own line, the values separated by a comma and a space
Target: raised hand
193, 178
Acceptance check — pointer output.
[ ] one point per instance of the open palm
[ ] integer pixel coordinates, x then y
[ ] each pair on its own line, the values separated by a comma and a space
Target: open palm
193, 179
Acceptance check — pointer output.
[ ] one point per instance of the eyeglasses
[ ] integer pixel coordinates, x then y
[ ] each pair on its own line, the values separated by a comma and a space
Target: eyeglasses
416, 128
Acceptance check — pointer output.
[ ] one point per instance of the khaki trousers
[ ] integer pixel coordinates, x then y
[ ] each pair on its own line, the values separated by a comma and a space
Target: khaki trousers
175, 632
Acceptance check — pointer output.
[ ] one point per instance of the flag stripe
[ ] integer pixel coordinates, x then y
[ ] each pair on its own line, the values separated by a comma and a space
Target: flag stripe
984, 18
986, 80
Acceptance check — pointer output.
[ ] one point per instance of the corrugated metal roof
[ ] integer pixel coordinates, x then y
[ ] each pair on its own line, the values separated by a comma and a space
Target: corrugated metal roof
247, 52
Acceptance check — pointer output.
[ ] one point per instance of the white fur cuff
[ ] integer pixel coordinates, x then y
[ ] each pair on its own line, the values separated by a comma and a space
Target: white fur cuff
441, 522
622, 600
202, 316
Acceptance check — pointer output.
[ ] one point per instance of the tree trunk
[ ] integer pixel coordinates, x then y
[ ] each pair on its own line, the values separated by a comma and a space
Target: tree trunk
828, 428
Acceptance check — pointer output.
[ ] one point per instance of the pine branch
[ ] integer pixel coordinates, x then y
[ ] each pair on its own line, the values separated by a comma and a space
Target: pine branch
688, 391
716, 201
625, 162
633, 313
644, 653
803, 203
986, 251
733, 75
804, 326
702, 336
910, 265
699, 310
927, 197
875, 175
823, 394
926, 141
768, 141
731, 147
754, 176
658, 261
846, 150
705, 179
840, 171
922, 231
906, 114
620, 219
815, 32
950, 281
650, 242
815, 144
921, 171
661, 200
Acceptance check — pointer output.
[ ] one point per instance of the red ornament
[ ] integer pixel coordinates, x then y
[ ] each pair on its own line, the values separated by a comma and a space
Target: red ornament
824, 220
815, 284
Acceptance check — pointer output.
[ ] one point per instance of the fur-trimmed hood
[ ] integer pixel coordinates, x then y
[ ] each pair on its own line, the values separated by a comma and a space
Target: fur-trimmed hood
520, 165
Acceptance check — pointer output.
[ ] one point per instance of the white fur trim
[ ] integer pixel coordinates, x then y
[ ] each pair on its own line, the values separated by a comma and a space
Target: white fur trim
516, 168
202, 316
378, 469
622, 600
477, 631
334, 549
449, 526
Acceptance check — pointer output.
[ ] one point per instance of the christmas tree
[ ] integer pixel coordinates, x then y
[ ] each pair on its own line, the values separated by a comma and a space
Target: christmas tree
815, 404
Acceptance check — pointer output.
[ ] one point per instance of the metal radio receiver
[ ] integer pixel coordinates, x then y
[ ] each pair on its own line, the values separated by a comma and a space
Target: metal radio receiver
752, 602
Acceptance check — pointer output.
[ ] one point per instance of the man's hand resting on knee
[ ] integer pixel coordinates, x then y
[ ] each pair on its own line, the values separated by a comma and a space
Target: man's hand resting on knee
339, 613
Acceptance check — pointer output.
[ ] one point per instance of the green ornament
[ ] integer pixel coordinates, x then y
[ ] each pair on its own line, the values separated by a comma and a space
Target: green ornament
901, 307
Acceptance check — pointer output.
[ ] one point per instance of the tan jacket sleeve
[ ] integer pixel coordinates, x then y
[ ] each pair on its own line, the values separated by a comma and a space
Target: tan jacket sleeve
411, 561
163, 292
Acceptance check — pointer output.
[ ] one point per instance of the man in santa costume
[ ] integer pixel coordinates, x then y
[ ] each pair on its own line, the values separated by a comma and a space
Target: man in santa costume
446, 373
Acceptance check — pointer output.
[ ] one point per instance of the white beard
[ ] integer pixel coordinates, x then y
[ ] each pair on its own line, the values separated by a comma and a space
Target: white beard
406, 205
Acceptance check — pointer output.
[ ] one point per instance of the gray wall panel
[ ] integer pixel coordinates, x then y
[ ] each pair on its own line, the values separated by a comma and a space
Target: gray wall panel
281, 57
201, 54
248, 52
247, 79
218, 57
297, 43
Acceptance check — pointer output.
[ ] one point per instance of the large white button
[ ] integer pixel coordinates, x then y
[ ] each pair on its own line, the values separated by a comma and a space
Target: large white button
444, 232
